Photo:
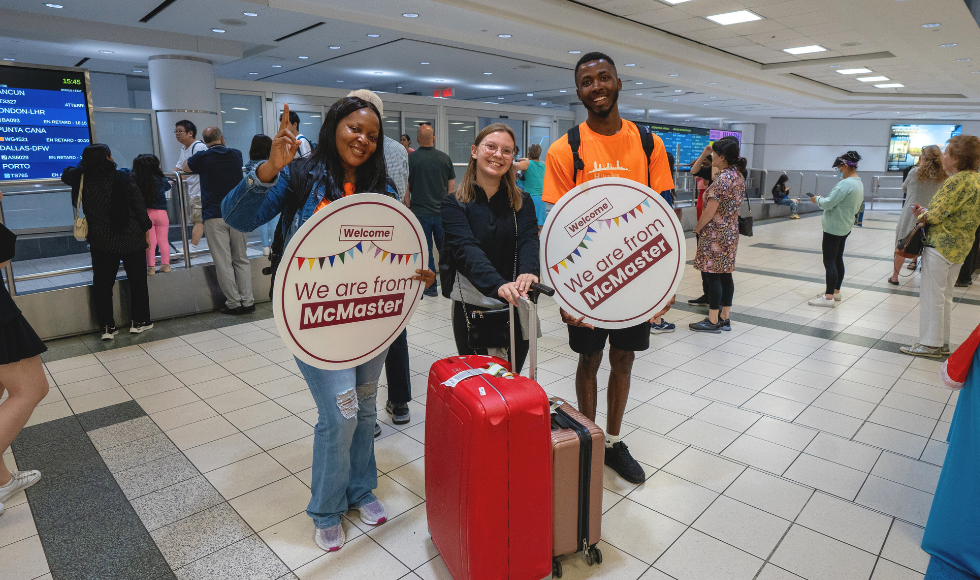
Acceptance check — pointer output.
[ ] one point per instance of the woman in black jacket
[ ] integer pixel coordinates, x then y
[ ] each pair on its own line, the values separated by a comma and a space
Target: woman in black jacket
489, 223
117, 231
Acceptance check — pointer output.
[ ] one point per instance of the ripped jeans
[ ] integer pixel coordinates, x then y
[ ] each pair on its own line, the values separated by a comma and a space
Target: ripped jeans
344, 470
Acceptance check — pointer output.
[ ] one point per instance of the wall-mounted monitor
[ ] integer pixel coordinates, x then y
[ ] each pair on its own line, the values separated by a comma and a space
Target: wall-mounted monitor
716, 134
907, 142
684, 143
45, 120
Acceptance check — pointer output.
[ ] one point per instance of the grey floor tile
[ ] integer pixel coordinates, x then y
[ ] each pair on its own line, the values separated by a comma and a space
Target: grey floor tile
125, 432
895, 499
696, 556
907, 471
705, 469
904, 546
138, 452
192, 538
743, 526
776, 431
845, 521
155, 475
249, 558
826, 476
817, 557
839, 450
175, 502
829, 421
769, 493
761, 453
900, 442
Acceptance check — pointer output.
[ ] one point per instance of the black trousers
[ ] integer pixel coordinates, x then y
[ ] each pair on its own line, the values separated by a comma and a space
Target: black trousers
105, 265
833, 260
966, 271
396, 370
721, 289
460, 334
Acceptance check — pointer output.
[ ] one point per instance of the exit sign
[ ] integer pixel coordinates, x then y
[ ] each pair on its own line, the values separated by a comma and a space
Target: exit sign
446, 93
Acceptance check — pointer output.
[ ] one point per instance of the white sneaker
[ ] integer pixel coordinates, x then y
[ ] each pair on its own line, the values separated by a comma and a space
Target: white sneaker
140, 327
109, 332
373, 514
836, 296
19, 480
330, 539
266, 251
821, 300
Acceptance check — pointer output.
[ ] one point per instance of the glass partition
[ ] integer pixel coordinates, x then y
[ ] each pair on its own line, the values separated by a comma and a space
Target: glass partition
412, 127
241, 119
309, 123
462, 133
564, 125
392, 126
516, 125
539, 135
127, 134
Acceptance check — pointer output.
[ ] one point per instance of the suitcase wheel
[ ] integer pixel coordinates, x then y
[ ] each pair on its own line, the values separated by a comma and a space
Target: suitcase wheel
588, 557
596, 554
555, 568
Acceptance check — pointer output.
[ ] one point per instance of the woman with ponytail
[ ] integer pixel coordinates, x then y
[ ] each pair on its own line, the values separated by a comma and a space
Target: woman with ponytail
717, 231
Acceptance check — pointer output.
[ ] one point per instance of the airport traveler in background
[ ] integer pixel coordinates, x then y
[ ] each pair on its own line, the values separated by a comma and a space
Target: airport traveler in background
717, 231
657, 324
922, 183
186, 133
668, 194
397, 370
703, 172
22, 377
606, 140
489, 223
347, 160
258, 152
533, 181
970, 265
431, 177
780, 196
305, 146
118, 231
951, 221
154, 187
220, 169
406, 142
839, 209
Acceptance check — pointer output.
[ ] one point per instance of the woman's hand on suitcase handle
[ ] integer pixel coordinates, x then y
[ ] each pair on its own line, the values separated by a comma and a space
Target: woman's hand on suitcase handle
572, 321
524, 282
428, 277
510, 292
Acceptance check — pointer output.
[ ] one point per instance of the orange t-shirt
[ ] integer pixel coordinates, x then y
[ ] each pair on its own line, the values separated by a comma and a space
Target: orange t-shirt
619, 155
348, 190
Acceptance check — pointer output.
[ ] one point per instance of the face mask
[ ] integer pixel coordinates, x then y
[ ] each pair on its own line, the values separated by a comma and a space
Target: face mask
840, 174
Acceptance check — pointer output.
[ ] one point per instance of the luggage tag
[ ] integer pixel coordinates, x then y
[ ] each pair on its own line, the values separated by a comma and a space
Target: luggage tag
493, 370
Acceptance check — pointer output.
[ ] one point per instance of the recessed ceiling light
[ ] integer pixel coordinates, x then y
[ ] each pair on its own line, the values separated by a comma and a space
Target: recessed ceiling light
805, 49
974, 72
239, 109
107, 51
853, 71
873, 79
503, 36
530, 94
54, 5
639, 94
562, 90
575, 52
373, 35
948, 45
277, 66
931, 25
890, 86
303, 57
218, 30
674, 99
137, 71
340, 81
737, 17
544, 103
423, 63
9, 59
675, 75
631, 64
410, 15
962, 60
377, 72
678, 91
500, 98
639, 82
488, 73
835, 66
712, 83
439, 80
250, 13
253, 73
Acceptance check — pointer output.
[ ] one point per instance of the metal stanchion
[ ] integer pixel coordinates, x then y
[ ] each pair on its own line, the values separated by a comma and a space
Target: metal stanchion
183, 220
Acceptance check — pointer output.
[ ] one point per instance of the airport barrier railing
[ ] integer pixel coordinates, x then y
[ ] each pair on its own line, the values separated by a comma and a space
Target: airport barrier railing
890, 185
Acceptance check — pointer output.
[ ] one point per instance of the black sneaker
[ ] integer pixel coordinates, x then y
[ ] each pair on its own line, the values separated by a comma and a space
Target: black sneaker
706, 326
226, 310
399, 413
377, 429
619, 459
726, 325
702, 301
246, 309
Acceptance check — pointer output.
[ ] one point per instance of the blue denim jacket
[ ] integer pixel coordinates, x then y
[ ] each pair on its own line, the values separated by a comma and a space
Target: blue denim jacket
253, 203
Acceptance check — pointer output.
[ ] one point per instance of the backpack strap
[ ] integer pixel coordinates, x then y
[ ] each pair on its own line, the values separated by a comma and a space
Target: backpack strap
297, 194
575, 141
646, 137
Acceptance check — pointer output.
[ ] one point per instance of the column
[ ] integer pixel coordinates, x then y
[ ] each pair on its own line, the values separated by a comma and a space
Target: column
181, 87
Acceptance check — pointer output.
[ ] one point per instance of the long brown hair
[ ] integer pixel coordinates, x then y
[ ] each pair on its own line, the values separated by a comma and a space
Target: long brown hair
465, 191
931, 165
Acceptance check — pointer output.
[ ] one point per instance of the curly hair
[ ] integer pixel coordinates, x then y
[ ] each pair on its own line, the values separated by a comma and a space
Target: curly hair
965, 149
931, 165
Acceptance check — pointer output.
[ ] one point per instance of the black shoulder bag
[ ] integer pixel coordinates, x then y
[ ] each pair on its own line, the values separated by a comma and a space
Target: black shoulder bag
296, 195
490, 328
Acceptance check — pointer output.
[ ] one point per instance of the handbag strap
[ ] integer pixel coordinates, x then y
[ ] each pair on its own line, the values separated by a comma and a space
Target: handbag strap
516, 239
81, 185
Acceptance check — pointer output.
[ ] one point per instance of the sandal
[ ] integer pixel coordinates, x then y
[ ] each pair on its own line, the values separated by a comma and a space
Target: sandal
912, 265
892, 283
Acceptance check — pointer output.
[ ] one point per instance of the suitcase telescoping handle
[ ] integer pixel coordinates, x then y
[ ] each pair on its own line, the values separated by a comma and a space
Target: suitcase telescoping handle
532, 300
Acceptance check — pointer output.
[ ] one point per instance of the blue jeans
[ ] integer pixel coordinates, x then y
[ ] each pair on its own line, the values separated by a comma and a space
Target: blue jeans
344, 469
432, 226
787, 201
268, 231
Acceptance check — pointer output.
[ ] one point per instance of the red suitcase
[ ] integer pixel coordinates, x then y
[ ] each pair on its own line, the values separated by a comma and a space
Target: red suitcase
488, 481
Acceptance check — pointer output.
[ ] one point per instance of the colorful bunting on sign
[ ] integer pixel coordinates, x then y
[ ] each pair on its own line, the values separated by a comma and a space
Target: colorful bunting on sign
598, 227
361, 248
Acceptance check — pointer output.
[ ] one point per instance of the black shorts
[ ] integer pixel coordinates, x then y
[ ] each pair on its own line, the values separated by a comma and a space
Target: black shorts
588, 340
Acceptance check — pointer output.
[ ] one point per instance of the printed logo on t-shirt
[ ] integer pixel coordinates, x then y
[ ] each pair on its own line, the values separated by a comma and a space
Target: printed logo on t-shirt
607, 171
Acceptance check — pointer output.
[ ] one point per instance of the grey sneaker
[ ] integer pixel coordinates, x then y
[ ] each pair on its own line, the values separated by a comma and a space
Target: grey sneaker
330, 539
373, 514
922, 350
19, 480
706, 326
399, 412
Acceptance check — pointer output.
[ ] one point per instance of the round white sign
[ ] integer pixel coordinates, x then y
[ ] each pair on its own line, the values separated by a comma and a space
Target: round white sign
344, 290
614, 252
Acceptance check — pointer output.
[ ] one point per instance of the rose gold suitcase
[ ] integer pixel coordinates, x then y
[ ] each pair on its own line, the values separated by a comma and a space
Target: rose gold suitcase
577, 459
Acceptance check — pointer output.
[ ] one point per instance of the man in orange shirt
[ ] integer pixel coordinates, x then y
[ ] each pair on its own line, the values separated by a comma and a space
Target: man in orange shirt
608, 146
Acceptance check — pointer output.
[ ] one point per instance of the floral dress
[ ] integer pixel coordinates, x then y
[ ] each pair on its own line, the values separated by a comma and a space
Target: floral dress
718, 240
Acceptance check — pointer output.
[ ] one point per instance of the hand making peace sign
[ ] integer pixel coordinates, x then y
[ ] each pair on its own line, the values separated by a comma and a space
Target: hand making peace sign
284, 147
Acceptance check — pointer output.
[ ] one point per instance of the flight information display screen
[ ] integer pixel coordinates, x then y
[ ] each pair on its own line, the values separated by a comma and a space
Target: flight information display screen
44, 122
692, 141
907, 142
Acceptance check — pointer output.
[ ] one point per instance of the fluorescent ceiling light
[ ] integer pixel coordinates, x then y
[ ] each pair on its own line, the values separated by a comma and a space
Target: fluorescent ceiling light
106, 51
423, 63
544, 103
734, 17
931, 25
575, 52
712, 83
805, 49
250, 13
675, 75
218, 30
488, 73
54, 5
854, 71
962, 60
137, 71
639, 82
500, 98
560, 91
238, 109
253, 73
530, 94
951, 44
639, 94
676, 1
410, 15
373, 35
9, 59
277, 66
503, 36
890, 86
631, 64
306, 57
873, 79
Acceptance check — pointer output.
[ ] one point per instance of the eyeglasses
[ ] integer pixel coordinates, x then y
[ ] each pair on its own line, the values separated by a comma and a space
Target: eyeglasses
492, 148
179, 131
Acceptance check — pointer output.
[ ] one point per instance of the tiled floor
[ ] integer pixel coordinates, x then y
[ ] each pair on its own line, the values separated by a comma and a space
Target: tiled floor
798, 445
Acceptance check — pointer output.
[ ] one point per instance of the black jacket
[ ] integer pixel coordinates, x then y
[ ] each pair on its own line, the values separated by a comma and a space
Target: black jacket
480, 241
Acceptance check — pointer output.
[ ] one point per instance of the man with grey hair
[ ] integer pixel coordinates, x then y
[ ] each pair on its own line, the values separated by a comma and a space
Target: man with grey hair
396, 157
220, 170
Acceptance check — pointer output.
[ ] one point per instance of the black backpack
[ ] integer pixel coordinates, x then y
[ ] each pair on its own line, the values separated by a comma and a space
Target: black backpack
575, 141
